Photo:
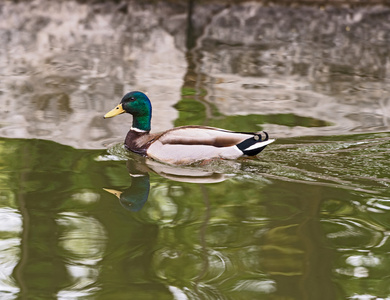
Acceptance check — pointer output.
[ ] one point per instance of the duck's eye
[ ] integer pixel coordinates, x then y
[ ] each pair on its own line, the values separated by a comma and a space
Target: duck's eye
132, 99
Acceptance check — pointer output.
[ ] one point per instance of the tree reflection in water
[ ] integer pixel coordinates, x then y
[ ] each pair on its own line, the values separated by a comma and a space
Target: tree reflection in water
307, 220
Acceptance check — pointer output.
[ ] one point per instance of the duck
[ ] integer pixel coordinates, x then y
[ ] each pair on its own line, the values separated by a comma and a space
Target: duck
185, 144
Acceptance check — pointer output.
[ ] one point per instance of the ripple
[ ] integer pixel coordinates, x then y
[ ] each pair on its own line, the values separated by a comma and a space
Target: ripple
357, 162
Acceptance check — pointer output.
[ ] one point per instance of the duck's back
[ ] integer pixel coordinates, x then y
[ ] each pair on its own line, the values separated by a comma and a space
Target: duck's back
187, 144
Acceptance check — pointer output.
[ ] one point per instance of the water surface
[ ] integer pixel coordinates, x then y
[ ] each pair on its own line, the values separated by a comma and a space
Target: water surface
81, 218
313, 227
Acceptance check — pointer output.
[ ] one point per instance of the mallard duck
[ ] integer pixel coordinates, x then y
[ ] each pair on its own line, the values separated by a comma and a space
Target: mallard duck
185, 144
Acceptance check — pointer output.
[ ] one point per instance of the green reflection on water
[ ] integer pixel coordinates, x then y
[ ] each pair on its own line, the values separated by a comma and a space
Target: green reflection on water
193, 112
306, 220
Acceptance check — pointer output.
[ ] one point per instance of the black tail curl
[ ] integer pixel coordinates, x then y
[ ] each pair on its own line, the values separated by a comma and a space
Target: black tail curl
257, 138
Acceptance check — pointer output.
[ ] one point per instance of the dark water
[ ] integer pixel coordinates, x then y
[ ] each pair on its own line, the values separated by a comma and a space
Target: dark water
309, 220
81, 218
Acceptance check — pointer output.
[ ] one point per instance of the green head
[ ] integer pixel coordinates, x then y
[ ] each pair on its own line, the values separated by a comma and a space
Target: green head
137, 104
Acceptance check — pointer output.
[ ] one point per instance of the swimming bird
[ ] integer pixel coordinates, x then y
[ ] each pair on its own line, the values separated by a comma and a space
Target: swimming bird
185, 144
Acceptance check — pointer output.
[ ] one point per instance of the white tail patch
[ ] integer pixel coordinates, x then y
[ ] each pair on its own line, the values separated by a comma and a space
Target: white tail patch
260, 144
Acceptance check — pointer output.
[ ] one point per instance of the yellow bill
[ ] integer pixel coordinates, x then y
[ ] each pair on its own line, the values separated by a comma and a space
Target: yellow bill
114, 112
114, 192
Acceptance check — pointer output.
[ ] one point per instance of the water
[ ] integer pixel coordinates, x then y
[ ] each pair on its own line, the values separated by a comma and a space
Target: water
81, 218
289, 224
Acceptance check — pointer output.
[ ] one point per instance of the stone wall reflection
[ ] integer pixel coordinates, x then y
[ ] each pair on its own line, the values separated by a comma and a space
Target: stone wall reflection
64, 64
329, 63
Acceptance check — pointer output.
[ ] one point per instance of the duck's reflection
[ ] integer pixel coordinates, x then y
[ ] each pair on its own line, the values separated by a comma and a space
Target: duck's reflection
134, 197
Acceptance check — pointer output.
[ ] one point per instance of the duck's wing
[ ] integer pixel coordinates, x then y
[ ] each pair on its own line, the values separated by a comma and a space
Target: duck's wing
188, 144
202, 135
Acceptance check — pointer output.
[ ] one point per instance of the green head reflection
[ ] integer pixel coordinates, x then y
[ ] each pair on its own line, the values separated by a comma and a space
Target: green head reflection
134, 197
